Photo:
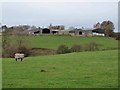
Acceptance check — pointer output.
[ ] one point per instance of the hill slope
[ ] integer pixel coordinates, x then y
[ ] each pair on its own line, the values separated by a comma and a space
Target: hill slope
52, 42
75, 70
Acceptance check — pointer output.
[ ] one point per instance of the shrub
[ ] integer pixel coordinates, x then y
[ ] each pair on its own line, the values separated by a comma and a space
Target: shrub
92, 46
75, 48
117, 37
9, 52
62, 49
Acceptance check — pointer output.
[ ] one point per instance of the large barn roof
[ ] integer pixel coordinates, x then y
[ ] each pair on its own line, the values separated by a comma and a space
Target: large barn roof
87, 29
98, 30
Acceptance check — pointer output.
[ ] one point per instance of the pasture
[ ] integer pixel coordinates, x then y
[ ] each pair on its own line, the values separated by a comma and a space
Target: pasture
98, 69
53, 41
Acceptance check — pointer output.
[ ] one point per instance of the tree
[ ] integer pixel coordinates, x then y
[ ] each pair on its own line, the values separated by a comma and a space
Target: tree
13, 41
98, 25
108, 26
6, 43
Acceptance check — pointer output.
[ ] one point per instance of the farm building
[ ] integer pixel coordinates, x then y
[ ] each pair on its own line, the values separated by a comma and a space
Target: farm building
55, 31
45, 31
60, 29
57, 27
81, 32
42, 31
64, 32
50, 30
84, 32
34, 31
3, 28
98, 32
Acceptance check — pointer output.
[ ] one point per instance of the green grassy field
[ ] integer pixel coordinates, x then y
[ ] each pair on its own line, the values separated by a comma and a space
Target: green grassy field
98, 69
53, 42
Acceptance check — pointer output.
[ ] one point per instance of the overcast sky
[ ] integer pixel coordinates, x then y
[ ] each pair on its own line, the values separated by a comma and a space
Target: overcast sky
76, 14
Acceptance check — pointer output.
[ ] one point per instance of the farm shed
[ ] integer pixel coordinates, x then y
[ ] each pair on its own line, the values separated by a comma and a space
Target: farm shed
98, 32
64, 32
34, 32
46, 31
54, 31
81, 32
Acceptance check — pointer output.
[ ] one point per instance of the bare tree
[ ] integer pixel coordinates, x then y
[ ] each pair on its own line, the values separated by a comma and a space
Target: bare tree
13, 40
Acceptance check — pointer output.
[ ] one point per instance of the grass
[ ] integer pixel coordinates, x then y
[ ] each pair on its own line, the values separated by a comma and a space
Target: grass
53, 42
98, 69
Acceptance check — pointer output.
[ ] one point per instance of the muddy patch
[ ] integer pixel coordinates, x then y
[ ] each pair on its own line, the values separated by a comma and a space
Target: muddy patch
41, 51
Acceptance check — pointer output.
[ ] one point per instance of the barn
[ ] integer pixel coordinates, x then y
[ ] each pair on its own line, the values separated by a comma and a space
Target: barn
87, 32
98, 32
34, 32
81, 32
46, 31
54, 31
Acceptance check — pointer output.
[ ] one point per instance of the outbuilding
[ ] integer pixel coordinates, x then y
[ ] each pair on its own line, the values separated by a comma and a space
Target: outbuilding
46, 31
98, 32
